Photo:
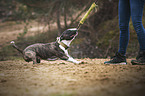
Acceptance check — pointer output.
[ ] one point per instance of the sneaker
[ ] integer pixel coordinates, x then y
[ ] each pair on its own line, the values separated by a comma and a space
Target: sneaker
140, 59
118, 59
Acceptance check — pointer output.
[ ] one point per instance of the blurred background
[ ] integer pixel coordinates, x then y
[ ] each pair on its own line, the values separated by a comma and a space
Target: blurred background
41, 21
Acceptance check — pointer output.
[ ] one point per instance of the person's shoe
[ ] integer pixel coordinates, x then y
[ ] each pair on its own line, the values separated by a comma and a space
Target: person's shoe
118, 59
140, 59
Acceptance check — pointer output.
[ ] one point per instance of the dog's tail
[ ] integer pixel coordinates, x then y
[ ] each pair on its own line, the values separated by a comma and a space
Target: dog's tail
14, 45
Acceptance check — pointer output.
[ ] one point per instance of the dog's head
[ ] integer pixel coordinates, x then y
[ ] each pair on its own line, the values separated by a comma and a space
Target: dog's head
69, 34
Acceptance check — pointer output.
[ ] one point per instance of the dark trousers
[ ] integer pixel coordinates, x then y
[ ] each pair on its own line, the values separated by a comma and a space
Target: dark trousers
133, 9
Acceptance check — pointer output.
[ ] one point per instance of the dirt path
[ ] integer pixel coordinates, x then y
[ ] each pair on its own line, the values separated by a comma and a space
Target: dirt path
60, 78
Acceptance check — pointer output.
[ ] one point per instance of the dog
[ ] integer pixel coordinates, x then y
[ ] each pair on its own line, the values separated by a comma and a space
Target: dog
50, 51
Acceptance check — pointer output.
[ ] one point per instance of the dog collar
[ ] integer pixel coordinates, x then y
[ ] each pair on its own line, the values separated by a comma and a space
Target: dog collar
61, 43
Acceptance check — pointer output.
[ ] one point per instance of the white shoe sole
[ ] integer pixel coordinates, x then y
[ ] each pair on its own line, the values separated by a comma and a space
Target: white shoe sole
122, 63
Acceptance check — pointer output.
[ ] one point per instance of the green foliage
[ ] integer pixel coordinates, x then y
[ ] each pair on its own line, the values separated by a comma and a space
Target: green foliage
21, 35
25, 30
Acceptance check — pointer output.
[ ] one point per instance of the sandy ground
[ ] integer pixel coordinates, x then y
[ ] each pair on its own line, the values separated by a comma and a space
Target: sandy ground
61, 78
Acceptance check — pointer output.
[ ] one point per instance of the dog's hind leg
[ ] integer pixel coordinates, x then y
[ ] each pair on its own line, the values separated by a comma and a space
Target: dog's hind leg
52, 58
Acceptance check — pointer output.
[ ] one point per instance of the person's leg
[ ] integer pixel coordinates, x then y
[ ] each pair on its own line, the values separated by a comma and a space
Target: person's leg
136, 14
124, 17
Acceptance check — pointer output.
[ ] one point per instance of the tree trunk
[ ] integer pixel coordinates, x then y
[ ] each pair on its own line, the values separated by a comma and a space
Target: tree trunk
65, 17
58, 23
